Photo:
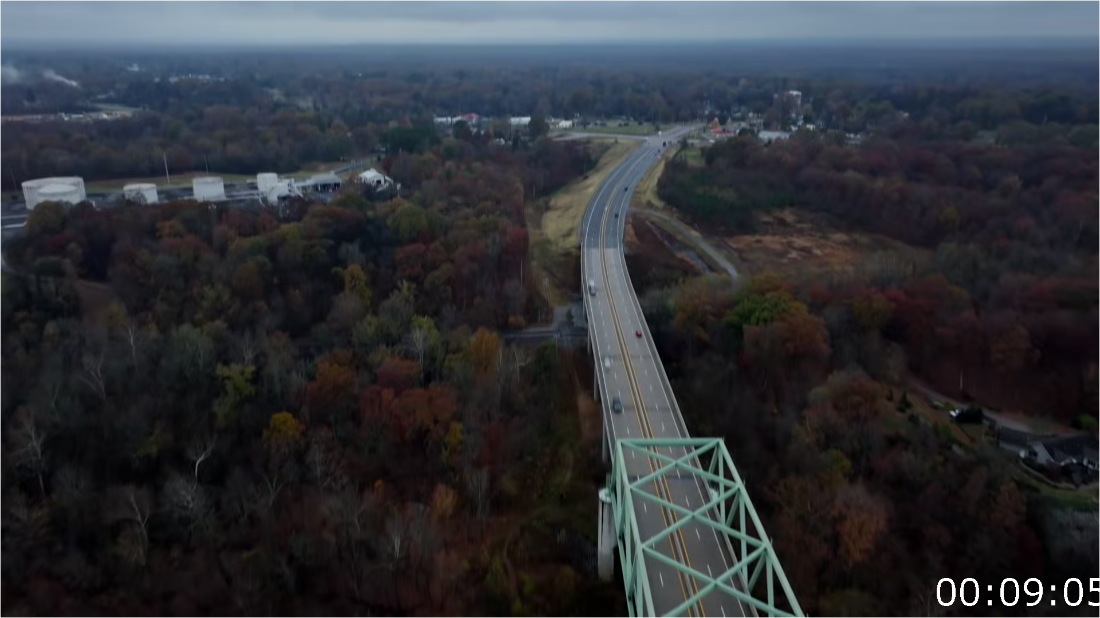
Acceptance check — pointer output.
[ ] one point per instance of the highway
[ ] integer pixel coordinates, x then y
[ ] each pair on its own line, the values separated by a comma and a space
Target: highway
631, 370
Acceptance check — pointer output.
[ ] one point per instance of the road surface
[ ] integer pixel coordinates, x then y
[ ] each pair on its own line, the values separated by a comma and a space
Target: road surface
633, 372
696, 239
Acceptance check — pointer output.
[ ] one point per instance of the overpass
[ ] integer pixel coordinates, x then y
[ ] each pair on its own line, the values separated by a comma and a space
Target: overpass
689, 541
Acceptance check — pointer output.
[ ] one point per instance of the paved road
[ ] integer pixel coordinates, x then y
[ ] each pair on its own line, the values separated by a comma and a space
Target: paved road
634, 373
696, 239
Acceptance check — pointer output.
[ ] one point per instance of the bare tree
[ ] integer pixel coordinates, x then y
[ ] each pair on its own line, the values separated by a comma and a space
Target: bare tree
133, 506
247, 349
30, 441
274, 484
477, 484
93, 373
186, 501
134, 337
351, 513
199, 450
322, 462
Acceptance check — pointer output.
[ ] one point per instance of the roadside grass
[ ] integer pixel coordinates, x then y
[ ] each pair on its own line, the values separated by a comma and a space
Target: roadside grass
693, 156
554, 223
560, 223
645, 193
1083, 499
630, 129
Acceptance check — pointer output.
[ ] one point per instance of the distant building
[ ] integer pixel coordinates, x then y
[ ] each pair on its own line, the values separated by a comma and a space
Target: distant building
444, 120
771, 136
374, 179
469, 118
322, 183
565, 124
519, 121
1068, 450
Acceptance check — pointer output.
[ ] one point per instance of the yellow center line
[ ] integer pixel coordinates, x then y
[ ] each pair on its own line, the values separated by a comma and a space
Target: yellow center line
642, 413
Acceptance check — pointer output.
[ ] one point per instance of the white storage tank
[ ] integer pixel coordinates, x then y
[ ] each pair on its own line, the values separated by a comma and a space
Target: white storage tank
68, 189
143, 192
266, 182
208, 188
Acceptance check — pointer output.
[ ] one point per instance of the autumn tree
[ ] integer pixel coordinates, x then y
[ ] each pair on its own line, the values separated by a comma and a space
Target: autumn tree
484, 353
860, 522
331, 394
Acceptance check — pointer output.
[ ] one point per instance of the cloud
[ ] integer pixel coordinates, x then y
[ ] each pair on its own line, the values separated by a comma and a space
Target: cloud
535, 22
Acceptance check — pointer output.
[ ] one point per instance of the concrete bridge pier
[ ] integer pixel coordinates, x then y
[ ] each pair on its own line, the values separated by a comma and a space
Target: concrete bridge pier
605, 550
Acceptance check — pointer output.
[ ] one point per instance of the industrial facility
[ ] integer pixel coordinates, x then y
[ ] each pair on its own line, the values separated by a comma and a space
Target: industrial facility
68, 189
141, 192
208, 189
272, 188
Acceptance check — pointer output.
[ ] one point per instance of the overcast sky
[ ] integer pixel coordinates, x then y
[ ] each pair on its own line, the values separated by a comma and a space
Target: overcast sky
533, 22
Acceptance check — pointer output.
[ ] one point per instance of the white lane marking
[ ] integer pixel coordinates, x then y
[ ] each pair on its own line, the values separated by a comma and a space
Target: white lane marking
709, 572
687, 500
700, 538
723, 608
632, 455
646, 508
661, 576
662, 427
628, 430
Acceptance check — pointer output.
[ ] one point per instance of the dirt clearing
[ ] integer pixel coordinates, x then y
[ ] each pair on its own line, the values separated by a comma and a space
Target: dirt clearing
792, 241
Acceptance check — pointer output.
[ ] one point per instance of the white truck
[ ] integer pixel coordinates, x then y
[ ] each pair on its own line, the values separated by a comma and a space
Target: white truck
592, 287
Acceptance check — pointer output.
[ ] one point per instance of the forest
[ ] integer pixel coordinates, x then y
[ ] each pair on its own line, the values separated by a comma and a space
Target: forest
244, 411
806, 375
278, 112
1008, 298
314, 409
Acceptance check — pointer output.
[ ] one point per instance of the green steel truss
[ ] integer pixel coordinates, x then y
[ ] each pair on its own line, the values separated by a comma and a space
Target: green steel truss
756, 579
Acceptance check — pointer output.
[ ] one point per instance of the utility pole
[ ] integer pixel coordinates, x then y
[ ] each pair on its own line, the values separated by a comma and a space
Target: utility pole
207, 164
167, 178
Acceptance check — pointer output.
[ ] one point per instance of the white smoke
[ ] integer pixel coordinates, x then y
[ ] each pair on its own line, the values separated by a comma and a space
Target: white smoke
10, 75
51, 75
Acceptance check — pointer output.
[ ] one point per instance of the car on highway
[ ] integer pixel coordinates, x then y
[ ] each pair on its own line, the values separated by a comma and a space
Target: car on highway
638, 334
626, 188
616, 215
617, 405
607, 362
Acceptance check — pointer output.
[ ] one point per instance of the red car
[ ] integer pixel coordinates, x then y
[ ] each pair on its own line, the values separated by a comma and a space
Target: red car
638, 334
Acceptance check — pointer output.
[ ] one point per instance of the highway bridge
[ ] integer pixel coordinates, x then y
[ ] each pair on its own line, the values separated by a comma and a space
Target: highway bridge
689, 541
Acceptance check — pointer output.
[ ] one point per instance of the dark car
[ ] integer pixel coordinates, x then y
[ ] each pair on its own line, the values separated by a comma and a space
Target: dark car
638, 334
617, 405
